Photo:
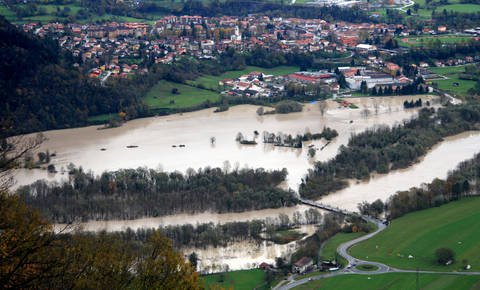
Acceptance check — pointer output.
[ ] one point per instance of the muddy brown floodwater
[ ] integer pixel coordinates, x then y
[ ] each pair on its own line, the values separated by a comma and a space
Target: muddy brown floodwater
155, 137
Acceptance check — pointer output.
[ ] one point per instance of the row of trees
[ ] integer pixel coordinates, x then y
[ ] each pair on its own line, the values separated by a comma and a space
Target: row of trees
136, 193
463, 181
442, 52
221, 235
383, 149
282, 139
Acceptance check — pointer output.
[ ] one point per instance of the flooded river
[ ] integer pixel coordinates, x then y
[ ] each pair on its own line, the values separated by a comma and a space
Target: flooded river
155, 137
244, 255
436, 164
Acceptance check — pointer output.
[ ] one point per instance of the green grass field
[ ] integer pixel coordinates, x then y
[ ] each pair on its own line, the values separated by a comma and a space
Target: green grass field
160, 96
286, 236
447, 70
211, 82
461, 89
51, 9
452, 72
238, 280
7, 13
455, 225
430, 40
395, 281
329, 250
461, 8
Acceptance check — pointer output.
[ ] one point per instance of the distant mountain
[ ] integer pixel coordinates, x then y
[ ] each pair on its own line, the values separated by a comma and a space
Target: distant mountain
40, 88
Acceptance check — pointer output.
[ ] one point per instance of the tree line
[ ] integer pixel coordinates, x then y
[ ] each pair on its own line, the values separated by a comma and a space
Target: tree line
136, 193
221, 235
461, 182
387, 148
439, 52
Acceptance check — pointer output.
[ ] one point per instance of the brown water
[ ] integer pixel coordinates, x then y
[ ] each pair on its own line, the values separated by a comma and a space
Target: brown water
244, 255
181, 219
443, 158
155, 137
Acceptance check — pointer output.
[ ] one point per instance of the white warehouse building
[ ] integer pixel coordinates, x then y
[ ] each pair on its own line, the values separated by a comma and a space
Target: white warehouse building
355, 82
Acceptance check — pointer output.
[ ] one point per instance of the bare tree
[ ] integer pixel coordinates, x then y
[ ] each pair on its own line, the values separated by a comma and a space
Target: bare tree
365, 112
12, 150
260, 111
239, 137
323, 107
226, 166
376, 107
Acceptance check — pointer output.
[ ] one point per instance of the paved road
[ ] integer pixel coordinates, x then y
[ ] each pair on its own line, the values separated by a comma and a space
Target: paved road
343, 251
409, 4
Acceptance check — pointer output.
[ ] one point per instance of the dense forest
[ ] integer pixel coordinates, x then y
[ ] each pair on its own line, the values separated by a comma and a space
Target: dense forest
458, 20
136, 193
243, 8
218, 8
383, 149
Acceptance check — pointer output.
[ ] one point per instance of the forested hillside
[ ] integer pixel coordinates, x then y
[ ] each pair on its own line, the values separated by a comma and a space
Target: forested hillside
41, 89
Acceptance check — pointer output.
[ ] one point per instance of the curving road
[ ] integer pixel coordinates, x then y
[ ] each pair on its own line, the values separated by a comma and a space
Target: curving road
352, 261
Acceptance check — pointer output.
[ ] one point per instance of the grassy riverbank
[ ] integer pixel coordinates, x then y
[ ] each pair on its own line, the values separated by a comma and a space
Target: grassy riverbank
238, 280
395, 281
419, 234
329, 250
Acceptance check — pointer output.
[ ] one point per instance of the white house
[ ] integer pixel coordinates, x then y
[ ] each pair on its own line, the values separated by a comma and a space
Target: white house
302, 265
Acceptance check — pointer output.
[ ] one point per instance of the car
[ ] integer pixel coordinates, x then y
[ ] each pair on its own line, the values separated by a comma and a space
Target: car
310, 279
